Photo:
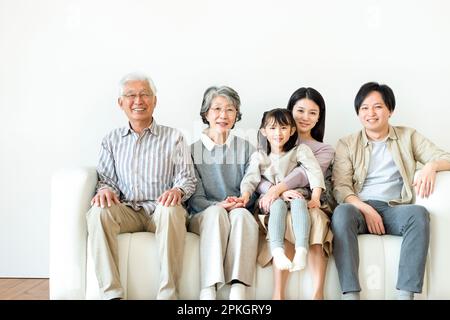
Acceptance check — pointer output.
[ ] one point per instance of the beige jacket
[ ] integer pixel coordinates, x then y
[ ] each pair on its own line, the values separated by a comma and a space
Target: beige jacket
407, 147
261, 165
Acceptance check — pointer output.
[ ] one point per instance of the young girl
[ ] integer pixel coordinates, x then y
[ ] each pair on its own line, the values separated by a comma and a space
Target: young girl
276, 158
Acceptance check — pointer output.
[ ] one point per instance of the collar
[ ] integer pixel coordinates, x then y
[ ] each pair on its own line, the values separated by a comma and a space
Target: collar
154, 129
209, 144
391, 135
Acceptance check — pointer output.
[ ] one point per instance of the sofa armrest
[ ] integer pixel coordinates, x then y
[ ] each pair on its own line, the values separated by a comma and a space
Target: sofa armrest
71, 192
438, 205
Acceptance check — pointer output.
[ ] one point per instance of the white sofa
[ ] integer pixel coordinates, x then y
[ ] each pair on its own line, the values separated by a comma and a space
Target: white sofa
72, 276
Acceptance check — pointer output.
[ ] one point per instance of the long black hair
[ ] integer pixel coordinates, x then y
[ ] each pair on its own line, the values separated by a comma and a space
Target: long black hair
282, 117
311, 94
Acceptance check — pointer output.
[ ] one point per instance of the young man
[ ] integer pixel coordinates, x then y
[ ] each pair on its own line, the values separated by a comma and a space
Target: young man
144, 174
374, 183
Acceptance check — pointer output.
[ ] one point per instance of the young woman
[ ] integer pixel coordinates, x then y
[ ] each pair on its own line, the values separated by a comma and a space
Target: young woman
277, 157
308, 109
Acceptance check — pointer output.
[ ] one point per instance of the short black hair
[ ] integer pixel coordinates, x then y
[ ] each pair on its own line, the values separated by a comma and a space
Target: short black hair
386, 93
311, 94
279, 116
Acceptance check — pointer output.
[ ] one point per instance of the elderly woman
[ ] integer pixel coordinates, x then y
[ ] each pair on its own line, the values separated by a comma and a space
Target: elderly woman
228, 231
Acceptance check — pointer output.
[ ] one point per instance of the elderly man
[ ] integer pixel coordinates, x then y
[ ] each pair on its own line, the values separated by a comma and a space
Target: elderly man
144, 175
373, 178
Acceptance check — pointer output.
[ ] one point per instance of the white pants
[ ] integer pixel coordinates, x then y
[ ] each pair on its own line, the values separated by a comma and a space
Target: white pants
228, 245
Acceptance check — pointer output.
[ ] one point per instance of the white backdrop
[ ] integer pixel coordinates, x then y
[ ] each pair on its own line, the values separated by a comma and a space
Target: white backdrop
60, 62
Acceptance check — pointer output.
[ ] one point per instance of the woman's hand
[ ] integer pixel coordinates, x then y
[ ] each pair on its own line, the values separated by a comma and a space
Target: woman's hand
227, 205
290, 195
314, 203
265, 202
425, 180
244, 199
273, 194
232, 202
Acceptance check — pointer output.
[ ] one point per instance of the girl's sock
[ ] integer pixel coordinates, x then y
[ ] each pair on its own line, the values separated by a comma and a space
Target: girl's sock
299, 261
280, 260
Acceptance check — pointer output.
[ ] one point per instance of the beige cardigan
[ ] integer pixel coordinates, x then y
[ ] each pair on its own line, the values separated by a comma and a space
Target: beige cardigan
275, 170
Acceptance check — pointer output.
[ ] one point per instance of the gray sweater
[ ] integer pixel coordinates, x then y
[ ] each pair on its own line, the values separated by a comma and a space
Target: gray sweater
219, 172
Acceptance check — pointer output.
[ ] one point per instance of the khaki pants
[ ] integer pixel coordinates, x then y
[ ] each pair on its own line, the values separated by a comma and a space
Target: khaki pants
169, 226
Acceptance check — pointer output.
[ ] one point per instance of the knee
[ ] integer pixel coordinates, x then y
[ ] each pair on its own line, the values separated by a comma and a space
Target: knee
216, 215
319, 217
242, 216
343, 216
172, 213
421, 217
101, 214
318, 214
298, 202
278, 206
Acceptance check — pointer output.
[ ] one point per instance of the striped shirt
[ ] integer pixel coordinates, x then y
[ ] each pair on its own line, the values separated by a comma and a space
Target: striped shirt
140, 168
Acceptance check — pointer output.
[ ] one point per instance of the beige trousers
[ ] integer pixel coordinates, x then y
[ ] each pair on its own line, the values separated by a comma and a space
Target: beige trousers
228, 245
169, 226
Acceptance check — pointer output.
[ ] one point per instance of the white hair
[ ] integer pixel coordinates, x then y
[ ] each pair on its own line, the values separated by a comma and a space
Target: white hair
135, 76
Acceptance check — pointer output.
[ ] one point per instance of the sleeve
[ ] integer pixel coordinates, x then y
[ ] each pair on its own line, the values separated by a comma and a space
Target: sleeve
298, 177
198, 202
325, 156
425, 151
106, 171
342, 173
252, 175
184, 175
263, 186
312, 168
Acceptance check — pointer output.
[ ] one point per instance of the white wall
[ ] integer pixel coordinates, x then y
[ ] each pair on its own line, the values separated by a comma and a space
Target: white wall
60, 62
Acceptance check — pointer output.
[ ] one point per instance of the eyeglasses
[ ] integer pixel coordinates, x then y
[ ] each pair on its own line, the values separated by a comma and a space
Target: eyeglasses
133, 96
227, 110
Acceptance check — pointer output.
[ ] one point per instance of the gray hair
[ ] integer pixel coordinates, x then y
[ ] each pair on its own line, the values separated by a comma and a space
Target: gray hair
228, 93
136, 77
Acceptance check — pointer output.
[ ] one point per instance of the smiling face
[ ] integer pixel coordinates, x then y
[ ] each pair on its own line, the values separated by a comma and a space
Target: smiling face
221, 116
306, 114
277, 135
374, 115
138, 102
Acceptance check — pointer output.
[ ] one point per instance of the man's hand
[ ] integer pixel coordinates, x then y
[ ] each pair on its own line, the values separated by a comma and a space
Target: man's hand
171, 197
425, 180
105, 197
290, 195
373, 220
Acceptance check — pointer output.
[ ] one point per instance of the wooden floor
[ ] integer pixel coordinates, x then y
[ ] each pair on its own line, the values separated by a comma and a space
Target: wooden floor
23, 289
